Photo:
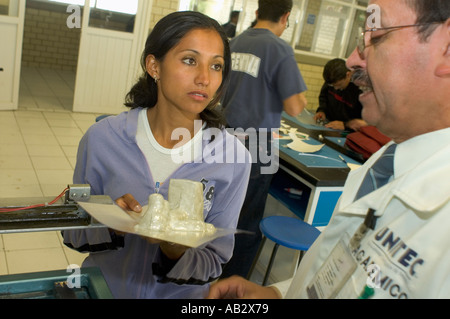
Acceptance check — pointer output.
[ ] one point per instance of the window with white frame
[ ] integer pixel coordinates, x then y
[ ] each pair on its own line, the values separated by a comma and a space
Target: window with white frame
322, 28
128, 7
117, 15
329, 27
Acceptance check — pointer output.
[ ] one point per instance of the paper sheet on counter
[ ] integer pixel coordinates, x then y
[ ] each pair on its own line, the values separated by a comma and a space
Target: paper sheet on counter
114, 217
287, 131
302, 147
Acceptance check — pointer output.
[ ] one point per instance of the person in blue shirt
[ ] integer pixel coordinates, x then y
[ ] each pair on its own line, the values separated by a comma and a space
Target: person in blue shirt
265, 81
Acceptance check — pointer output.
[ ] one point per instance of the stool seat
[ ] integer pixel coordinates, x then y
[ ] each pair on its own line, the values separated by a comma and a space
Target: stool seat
284, 231
289, 232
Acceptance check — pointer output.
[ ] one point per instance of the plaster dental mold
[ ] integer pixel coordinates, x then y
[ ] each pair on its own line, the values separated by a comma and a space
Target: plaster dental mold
183, 211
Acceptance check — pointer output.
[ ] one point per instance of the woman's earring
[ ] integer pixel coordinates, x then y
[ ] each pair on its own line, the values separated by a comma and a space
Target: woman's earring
156, 80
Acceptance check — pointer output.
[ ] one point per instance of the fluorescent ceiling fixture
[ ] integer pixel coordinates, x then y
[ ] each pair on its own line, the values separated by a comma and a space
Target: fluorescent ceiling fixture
123, 6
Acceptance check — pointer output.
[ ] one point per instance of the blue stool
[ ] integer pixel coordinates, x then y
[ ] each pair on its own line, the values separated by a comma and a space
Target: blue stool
286, 231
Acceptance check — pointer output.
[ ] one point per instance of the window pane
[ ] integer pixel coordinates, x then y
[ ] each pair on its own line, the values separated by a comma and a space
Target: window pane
248, 15
360, 19
293, 18
323, 27
129, 6
9, 8
217, 9
238, 5
113, 15
363, 3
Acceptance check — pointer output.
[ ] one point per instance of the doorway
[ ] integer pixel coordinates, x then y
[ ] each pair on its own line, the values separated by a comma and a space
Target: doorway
49, 58
63, 67
11, 30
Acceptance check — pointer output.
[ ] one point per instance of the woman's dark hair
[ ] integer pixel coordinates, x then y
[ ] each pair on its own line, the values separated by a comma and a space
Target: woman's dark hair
166, 34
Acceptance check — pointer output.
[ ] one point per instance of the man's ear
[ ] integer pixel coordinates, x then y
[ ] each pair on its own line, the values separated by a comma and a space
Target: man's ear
349, 75
285, 17
443, 69
151, 66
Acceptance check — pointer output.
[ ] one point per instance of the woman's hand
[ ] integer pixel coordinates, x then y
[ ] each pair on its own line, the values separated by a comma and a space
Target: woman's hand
128, 203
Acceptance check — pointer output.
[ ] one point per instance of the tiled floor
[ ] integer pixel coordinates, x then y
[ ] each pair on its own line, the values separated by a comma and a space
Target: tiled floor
38, 145
46, 89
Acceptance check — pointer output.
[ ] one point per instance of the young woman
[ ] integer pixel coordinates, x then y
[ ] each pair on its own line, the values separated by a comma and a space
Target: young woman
171, 132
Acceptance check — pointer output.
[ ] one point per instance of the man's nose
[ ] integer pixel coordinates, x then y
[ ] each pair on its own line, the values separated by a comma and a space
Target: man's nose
355, 61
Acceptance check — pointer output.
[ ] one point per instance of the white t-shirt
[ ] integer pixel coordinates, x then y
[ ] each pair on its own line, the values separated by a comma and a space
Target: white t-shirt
164, 161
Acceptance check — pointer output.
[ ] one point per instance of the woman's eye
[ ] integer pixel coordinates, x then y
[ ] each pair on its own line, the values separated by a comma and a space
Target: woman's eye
217, 67
189, 61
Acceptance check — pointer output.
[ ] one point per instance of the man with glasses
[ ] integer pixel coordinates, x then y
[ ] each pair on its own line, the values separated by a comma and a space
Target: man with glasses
265, 82
388, 237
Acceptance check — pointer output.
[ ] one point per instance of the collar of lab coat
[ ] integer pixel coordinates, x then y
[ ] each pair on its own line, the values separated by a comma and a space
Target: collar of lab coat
421, 180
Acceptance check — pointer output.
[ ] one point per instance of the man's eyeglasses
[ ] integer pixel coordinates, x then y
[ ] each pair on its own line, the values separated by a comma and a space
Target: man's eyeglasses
361, 39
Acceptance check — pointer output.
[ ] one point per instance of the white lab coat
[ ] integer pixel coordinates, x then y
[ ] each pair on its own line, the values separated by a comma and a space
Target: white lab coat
411, 241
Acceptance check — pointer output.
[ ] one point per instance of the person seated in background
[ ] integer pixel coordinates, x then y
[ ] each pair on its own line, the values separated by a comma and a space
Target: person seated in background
339, 106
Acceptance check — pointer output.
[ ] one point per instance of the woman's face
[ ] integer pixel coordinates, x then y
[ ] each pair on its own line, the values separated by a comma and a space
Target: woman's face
190, 74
